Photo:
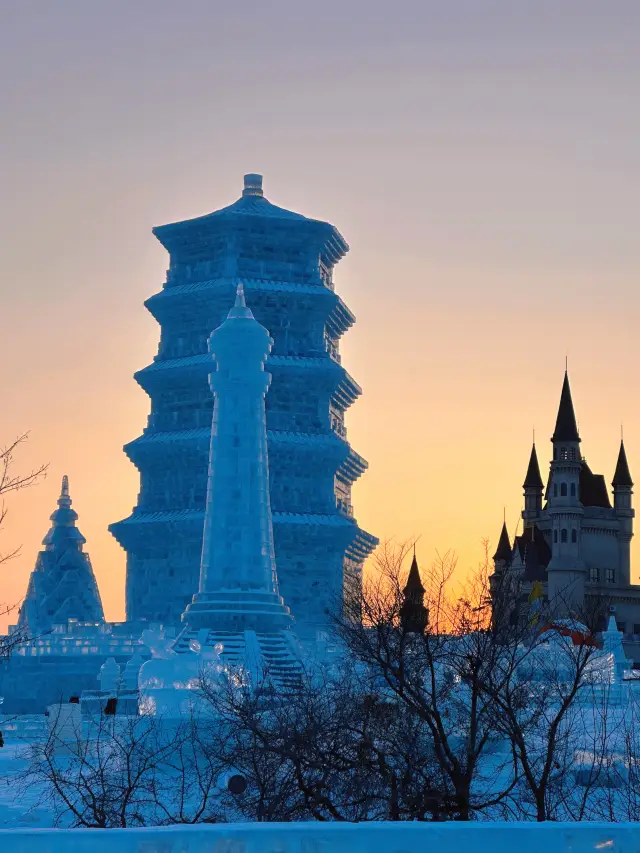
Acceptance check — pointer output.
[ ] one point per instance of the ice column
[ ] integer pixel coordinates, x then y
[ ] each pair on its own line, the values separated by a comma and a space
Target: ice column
238, 581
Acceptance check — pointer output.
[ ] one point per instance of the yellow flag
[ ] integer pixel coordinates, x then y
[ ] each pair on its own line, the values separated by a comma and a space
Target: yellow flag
534, 602
536, 592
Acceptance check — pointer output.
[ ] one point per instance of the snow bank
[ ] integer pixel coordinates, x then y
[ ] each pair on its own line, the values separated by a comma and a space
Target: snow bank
332, 838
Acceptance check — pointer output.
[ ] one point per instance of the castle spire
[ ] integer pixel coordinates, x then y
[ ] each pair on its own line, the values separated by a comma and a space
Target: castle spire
566, 424
414, 616
622, 476
503, 551
533, 480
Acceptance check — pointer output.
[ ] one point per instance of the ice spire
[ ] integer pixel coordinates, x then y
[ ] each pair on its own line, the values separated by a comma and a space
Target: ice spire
240, 310
63, 531
64, 499
238, 579
62, 585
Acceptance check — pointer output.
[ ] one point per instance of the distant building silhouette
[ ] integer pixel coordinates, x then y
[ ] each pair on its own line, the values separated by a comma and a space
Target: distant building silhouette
414, 616
574, 542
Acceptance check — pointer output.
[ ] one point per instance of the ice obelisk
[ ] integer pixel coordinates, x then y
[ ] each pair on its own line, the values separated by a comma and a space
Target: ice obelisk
238, 602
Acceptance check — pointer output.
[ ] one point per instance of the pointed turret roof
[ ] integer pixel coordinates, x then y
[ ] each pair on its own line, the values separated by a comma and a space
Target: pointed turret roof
533, 480
622, 476
504, 550
566, 424
414, 616
414, 582
535, 553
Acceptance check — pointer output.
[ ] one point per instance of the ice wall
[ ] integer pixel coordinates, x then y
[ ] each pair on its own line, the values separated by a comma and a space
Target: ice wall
332, 838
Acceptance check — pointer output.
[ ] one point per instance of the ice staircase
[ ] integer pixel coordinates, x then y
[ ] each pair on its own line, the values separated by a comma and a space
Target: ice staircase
271, 659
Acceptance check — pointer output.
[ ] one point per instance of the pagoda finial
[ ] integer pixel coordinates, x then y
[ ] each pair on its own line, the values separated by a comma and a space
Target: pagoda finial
64, 519
240, 310
65, 498
252, 185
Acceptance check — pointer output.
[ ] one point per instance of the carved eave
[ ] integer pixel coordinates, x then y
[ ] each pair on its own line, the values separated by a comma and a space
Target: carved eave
361, 546
189, 522
328, 447
175, 300
193, 237
172, 372
347, 392
340, 319
352, 468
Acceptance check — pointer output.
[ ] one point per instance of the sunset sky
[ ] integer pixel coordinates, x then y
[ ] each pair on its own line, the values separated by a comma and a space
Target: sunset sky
481, 158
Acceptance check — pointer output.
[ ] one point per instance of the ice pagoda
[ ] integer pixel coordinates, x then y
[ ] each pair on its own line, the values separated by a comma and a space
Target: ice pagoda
62, 586
285, 262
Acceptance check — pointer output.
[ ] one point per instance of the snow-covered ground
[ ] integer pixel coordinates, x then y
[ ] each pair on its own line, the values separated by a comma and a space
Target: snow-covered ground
19, 808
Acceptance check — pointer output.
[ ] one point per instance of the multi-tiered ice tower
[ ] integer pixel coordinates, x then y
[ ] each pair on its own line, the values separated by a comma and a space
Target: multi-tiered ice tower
285, 262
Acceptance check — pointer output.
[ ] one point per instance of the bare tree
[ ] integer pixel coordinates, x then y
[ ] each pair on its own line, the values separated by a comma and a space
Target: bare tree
111, 771
438, 675
12, 482
334, 750
468, 716
534, 685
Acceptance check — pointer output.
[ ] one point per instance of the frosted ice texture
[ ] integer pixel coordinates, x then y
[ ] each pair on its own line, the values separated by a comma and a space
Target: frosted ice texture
285, 262
62, 585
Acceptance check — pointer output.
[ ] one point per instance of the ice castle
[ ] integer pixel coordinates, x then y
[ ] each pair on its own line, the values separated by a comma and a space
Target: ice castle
285, 262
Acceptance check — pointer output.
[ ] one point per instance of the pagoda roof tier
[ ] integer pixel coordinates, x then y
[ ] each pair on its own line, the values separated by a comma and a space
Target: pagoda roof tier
353, 467
138, 521
200, 435
159, 373
186, 515
362, 545
204, 360
189, 236
341, 318
198, 440
171, 298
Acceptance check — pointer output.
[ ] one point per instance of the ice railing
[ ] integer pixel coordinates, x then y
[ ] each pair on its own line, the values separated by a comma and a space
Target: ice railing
332, 838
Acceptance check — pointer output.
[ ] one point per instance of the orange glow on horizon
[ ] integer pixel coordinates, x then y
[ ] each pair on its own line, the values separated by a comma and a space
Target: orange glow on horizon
483, 169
